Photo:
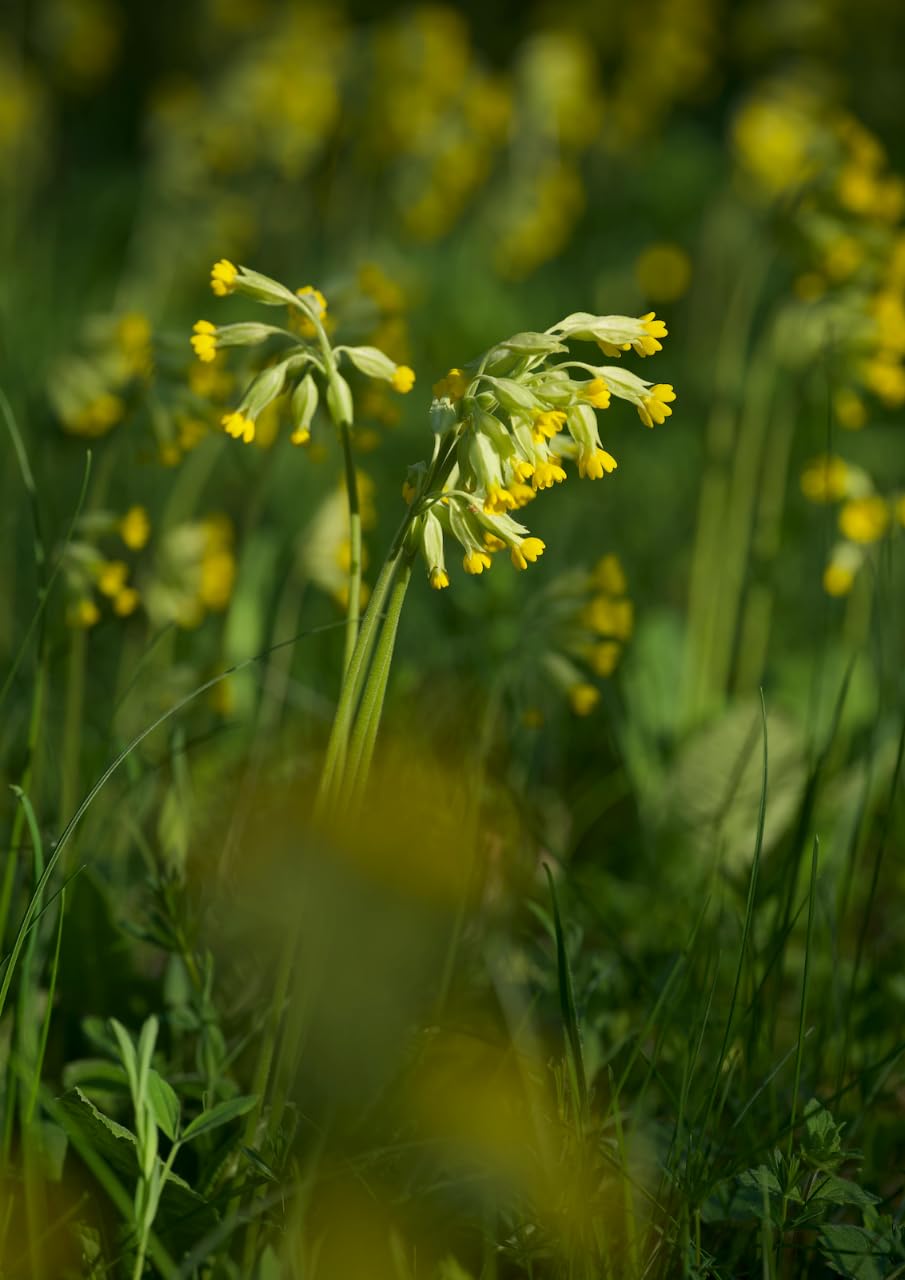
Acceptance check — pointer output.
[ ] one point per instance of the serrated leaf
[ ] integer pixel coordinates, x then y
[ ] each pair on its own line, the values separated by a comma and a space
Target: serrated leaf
183, 1216
222, 1113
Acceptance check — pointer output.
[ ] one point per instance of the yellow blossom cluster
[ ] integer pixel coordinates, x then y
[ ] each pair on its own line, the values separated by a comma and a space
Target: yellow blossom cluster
90, 391
580, 623
865, 517
506, 425
193, 572
304, 368
93, 576
833, 179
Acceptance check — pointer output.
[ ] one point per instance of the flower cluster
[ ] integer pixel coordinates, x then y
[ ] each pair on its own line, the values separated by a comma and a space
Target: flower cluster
505, 426
193, 573
846, 209
306, 366
93, 576
91, 391
587, 618
864, 520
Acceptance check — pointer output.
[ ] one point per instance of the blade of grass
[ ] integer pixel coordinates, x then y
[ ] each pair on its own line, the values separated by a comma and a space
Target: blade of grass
746, 927
574, 1053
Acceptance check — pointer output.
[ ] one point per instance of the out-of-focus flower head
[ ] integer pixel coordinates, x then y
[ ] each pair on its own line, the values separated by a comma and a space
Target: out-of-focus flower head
91, 391
98, 569
325, 544
193, 572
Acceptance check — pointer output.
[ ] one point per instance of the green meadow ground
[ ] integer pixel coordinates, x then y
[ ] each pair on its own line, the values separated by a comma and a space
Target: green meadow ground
536, 911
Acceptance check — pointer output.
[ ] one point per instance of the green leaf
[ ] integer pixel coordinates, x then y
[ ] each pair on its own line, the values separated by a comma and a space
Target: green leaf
183, 1216
164, 1104
222, 1113
852, 1252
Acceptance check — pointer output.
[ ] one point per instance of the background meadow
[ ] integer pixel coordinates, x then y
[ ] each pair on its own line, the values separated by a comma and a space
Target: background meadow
603, 978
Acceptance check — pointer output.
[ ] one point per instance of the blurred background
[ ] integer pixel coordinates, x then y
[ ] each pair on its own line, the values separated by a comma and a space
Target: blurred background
448, 174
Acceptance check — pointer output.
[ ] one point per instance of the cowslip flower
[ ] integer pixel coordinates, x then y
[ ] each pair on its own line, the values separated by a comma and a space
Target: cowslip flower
864, 520
135, 528
204, 340
223, 277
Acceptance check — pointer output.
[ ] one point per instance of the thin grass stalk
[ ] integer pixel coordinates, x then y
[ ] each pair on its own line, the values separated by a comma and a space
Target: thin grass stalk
353, 605
39, 692
757, 610
746, 927
729, 367
73, 715
736, 541
803, 1008
882, 842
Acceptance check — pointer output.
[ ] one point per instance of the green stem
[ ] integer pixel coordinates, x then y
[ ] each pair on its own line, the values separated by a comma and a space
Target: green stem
353, 605
354, 678
12, 859
367, 724
72, 724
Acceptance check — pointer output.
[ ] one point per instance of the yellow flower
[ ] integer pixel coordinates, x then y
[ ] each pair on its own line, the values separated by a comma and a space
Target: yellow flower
825, 479
885, 376
647, 343
609, 576
453, 386
223, 277
238, 426
843, 257
547, 474
663, 272
597, 393
403, 379
97, 417
864, 519
476, 562
408, 492
492, 542
522, 470
133, 336
838, 579
528, 550
604, 657
439, 579
135, 528
612, 618
522, 494
126, 602
301, 435
655, 405
83, 613
583, 698
547, 423
497, 500
850, 409
111, 577
595, 463
204, 340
